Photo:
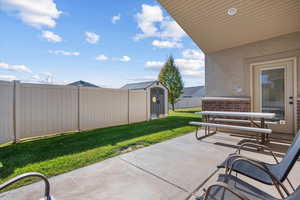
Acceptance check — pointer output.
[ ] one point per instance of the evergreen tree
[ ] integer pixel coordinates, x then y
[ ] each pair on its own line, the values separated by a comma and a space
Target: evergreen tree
170, 77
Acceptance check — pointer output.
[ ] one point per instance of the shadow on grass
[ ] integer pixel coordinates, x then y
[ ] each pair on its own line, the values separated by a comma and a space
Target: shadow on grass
19, 155
189, 111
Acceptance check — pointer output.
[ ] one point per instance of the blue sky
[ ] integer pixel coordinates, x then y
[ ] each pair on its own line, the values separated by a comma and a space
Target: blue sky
108, 42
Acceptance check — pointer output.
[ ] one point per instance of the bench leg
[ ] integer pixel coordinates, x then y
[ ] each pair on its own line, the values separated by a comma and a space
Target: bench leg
206, 134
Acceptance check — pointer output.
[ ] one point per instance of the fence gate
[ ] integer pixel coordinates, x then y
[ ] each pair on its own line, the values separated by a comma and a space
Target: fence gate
157, 102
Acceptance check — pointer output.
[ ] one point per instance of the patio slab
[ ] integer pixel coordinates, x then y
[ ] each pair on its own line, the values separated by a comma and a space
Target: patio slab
174, 169
182, 161
110, 179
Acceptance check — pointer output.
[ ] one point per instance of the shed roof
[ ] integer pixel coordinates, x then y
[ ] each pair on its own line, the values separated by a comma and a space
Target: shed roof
138, 86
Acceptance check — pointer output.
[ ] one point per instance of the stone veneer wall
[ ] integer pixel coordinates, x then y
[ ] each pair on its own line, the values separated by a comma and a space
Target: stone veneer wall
235, 105
226, 104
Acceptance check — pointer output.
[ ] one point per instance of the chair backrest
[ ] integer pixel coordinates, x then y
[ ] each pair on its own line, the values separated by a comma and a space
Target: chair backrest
286, 164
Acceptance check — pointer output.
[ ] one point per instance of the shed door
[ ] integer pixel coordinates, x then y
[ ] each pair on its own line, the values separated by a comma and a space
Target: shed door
157, 101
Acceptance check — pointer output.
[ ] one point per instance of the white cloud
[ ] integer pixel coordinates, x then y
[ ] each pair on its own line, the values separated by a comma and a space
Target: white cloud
19, 68
154, 65
152, 23
189, 68
193, 54
170, 29
32, 12
146, 21
36, 77
65, 53
166, 44
51, 37
193, 73
101, 57
189, 64
8, 77
184, 64
125, 59
91, 37
44, 77
115, 18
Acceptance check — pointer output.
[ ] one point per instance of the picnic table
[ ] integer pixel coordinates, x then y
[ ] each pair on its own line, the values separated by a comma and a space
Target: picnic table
257, 122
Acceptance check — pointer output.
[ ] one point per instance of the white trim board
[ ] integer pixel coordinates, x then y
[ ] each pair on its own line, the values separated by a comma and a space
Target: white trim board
294, 60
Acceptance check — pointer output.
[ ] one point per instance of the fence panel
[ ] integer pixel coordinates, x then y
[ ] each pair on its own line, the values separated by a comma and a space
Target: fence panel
6, 111
46, 109
101, 107
188, 102
137, 106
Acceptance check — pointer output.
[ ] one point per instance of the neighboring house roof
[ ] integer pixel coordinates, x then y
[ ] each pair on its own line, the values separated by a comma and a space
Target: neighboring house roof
198, 91
83, 84
138, 86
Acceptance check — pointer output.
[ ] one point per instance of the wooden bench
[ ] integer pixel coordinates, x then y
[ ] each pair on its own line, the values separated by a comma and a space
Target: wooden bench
262, 131
240, 121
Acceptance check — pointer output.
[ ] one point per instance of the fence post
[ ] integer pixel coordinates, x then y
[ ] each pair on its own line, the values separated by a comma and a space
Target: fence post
128, 108
16, 111
78, 109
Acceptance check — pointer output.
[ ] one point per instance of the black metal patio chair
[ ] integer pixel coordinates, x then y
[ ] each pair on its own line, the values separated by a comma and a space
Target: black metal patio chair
229, 187
271, 174
47, 195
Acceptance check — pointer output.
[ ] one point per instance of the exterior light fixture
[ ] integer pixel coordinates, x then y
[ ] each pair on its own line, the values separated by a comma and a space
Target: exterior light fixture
232, 11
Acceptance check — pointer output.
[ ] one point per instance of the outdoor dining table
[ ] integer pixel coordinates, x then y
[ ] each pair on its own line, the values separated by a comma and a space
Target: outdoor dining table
256, 119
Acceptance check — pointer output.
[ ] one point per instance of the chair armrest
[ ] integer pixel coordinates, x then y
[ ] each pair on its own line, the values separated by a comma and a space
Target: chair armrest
262, 167
254, 144
26, 175
226, 187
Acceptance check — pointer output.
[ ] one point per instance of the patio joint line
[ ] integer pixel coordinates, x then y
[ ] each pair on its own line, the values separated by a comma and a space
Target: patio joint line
148, 172
201, 185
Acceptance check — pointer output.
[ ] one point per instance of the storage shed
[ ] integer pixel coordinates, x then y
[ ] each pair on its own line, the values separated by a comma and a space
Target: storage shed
157, 97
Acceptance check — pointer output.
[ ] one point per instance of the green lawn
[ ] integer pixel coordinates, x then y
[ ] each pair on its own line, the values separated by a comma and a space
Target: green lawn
55, 155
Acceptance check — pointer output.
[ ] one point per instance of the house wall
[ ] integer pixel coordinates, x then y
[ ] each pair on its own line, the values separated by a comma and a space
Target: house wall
228, 71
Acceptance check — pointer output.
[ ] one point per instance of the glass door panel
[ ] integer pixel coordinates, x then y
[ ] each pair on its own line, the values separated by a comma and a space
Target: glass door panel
272, 92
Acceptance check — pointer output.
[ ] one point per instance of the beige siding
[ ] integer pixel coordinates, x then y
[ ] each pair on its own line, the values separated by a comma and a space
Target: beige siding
46, 109
137, 105
101, 107
6, 112
228, 71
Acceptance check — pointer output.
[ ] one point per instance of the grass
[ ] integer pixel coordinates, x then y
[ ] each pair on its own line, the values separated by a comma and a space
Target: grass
63, 153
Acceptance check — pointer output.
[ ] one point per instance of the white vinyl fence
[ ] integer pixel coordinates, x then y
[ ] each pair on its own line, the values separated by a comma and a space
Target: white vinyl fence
32, 110
6, 111
188, 102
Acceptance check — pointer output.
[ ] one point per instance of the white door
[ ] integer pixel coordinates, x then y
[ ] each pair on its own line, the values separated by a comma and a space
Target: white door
273, 92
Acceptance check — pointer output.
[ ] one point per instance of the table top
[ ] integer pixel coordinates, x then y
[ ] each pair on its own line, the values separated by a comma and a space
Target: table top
239, 114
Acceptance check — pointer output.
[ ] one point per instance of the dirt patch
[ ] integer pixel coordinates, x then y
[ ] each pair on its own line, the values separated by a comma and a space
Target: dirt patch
131, 147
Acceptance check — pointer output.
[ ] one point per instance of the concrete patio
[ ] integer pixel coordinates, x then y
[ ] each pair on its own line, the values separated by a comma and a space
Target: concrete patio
176, 169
